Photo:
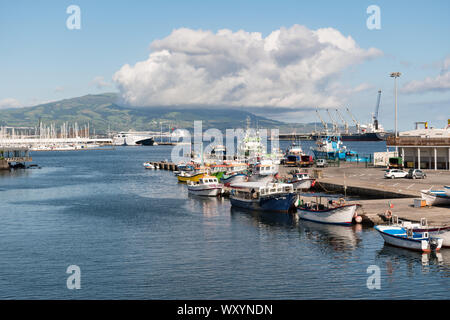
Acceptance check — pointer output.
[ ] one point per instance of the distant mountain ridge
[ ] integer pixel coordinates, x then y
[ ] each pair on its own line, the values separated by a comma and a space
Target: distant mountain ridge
102, 111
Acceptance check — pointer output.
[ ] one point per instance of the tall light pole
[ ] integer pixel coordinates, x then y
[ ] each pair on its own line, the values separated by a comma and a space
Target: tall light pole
395, 75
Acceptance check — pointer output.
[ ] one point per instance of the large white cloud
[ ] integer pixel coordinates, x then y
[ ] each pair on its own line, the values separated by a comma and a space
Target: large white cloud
439, 83
291, 67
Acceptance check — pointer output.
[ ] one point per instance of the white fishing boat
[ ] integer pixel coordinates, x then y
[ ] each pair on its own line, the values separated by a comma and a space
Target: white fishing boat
406, 238
332, 213
435, 197
302, 181
207, 186
264, 172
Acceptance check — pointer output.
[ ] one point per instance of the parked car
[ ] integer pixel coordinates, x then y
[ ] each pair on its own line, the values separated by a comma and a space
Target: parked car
395, 173
416, 174
321, 163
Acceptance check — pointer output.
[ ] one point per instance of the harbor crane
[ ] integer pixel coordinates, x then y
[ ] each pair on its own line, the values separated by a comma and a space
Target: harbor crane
323, 122
358, 126
377, 108
335, 125
343, 121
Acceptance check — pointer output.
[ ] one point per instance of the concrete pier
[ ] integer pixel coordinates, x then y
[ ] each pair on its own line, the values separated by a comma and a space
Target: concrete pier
164, 165
369, 183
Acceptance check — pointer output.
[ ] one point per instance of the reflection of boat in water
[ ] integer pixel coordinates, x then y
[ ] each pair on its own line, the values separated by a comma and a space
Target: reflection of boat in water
265, 217
335, 237
395, 255
208, 206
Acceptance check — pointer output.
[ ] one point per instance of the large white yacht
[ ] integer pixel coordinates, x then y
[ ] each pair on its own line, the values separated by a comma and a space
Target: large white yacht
133, 138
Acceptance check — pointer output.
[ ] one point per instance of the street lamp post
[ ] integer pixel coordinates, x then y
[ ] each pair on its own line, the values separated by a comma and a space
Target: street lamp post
395, 75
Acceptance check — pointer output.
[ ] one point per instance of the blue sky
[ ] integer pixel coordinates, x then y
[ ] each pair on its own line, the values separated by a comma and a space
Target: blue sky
42, 60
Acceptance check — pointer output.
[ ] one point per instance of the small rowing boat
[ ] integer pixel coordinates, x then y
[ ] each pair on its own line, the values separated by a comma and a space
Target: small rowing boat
332, 213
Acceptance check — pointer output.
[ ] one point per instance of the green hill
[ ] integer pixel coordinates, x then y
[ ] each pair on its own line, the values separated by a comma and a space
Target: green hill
102, 110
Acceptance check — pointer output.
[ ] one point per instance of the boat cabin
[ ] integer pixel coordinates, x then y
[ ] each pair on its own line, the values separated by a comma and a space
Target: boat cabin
266, 169
255, 190
207, 180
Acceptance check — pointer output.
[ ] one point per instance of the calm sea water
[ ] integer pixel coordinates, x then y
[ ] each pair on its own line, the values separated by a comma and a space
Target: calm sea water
137, 234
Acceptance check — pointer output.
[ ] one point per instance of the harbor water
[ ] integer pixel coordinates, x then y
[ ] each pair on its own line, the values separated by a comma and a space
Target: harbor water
137, 234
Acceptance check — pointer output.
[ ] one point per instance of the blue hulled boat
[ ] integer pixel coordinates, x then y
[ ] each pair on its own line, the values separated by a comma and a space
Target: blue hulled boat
331, 147
277, 197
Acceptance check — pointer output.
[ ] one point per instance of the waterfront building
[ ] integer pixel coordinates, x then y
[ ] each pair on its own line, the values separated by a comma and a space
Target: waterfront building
425, 148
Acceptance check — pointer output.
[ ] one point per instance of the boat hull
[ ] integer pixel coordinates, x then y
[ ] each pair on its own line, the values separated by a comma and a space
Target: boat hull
194, 178
277, 203
369, 136
435, 200
443, 233
407, 243
261, 178
342, 215
240, 177
205, 191
303, 184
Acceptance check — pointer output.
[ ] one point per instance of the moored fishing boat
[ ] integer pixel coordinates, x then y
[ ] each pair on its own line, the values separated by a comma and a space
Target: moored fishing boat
332, 213
277, 197
264, 172
184, 176
207, 186
442, 232
302, 181
233, 178
406, 238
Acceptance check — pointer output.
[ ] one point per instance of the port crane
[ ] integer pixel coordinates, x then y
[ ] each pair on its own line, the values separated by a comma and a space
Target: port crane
335, 125
358, 126
377, 108
323, 122
343, 120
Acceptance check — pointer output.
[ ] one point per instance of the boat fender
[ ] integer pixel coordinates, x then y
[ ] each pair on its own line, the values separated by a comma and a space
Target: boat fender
358, 219
388, 214
341, 201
